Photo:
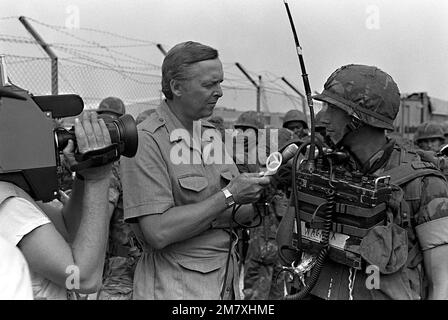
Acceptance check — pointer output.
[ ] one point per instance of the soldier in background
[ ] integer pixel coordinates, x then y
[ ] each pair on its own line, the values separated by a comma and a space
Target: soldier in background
248, 123
295, 121
262, 262
429, 136
218, 122
123, 250
445, 131
319, 126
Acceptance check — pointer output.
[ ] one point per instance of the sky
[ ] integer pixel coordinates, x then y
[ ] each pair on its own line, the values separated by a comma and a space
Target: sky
406, 38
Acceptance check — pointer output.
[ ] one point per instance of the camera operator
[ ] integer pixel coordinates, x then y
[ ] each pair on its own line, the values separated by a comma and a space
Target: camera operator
64, 249
15, 278
184, 208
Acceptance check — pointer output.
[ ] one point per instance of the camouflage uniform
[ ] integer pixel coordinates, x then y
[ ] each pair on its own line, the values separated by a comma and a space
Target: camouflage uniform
263, 264
430, 152
416, 213
263, 279
402, 274
440, 161
249, 120
218, 122
123, 250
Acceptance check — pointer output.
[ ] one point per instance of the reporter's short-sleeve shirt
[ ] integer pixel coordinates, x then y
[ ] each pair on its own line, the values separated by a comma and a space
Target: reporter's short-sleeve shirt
171, 170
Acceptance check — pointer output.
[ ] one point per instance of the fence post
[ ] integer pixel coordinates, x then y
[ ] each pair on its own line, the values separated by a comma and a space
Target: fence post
253, 82
47, 49
300, 94
160, 47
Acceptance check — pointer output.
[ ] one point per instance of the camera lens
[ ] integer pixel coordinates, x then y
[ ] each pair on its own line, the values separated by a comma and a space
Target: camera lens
122, 131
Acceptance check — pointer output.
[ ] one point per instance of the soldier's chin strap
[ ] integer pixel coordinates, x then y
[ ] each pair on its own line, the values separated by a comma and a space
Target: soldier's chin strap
96, 158
355, 124
352, 126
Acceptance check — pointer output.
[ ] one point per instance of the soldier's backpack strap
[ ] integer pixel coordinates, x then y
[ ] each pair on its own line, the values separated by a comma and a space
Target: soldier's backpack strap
407, 172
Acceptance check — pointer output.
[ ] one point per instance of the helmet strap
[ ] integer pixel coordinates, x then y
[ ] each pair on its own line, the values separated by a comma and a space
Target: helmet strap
355, 124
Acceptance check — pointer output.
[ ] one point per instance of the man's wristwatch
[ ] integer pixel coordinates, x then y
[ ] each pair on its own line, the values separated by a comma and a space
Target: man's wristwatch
229, 197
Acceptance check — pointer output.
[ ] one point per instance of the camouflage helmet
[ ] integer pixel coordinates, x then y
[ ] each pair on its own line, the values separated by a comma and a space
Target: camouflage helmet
250, 119
284, 137
445, 128
366, 92
275, 139
318, 120
112, 105
216, 120
429, 130
295, 115
143, 115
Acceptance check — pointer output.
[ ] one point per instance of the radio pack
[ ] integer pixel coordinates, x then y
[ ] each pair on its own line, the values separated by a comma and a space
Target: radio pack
359, 204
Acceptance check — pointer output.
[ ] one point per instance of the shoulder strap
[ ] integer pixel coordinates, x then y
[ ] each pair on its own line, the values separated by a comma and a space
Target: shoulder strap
407, 172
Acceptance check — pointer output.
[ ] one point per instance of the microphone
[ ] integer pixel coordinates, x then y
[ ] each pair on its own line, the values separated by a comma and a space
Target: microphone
273, 162
60, 106
443, 151
289, 152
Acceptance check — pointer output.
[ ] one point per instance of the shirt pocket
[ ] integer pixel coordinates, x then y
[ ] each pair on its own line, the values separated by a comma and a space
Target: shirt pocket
201, 278
193, 183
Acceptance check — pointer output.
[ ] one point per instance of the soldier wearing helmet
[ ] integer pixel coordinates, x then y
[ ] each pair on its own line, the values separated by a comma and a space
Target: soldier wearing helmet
429, 136
295, 121
218, 122
445, 130
246, 141
122, 249
360, 102
319, 126
111, 106
250, 120
262, 263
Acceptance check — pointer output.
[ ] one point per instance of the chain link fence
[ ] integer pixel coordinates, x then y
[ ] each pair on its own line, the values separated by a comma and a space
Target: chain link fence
94, 71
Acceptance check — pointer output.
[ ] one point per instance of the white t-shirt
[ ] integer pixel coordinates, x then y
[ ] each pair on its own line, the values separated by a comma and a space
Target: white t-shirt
15, 281
18, 217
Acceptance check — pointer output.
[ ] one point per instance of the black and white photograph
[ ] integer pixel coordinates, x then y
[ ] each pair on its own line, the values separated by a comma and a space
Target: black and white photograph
224, 158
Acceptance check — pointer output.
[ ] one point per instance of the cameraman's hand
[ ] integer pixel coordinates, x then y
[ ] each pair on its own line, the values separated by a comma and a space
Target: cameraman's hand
91, 134
247, 187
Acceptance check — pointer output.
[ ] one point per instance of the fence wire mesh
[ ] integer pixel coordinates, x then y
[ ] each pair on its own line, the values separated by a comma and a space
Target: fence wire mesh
95, 68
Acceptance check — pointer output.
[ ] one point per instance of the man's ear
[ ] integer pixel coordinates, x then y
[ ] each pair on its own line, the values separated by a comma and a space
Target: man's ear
176, 87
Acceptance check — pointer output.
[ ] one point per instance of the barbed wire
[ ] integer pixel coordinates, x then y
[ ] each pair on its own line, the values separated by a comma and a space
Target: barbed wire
99, 55
16, 39
107, 45
9, 18
62, 30
126, 75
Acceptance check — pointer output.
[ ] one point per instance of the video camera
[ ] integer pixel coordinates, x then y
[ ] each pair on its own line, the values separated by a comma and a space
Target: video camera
30, 145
